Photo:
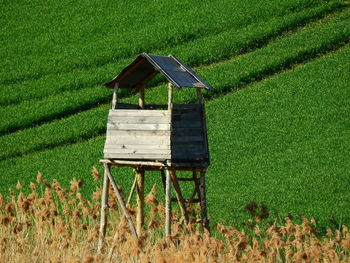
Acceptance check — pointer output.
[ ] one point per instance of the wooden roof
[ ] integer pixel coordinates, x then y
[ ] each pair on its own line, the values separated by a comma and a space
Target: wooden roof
146, 66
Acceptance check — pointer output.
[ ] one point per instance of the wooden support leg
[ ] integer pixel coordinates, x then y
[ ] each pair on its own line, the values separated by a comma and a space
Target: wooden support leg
140, 173
104, 212
162, 173
167, 203
205, 221
132, 190
121, 201
196, 187
179, 197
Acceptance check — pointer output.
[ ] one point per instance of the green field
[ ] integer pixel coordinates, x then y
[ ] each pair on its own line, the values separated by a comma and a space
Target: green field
278, 123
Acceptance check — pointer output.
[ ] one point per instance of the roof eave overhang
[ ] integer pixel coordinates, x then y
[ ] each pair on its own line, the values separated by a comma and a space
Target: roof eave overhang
157, 69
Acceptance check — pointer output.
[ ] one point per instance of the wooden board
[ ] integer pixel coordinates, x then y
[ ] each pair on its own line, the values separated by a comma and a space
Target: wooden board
137, 156
181, 131
136, 133
192, 106
138, 113
137, 151
187, 124
138, 146
186, 139
138, 119
138, 127
137, 140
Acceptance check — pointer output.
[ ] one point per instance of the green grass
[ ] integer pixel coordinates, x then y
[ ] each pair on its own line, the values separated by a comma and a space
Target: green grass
218, 46
67, 35
283, 142
227, 76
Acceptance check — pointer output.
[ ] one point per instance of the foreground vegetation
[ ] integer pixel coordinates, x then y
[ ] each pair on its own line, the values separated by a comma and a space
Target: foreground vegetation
53, 224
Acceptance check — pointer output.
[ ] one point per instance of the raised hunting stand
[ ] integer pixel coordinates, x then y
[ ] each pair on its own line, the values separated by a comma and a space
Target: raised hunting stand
166, 138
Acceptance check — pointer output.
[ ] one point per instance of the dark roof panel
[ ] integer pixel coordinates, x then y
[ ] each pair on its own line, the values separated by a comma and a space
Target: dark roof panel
146, 66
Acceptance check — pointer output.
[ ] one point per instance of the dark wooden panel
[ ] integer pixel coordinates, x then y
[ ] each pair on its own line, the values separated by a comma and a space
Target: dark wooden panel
187, 124
187, 131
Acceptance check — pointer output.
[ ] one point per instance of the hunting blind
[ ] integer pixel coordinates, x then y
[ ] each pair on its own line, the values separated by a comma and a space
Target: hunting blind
166, 138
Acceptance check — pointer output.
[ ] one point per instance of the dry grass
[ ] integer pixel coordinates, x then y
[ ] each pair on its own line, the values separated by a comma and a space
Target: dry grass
53, 224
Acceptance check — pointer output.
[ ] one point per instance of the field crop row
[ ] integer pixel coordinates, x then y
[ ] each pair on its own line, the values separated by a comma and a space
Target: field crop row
218, 47
31, 113
57, 42
224, 77
281, 142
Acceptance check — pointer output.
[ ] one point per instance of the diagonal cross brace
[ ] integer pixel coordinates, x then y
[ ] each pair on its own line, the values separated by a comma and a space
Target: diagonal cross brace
121, 201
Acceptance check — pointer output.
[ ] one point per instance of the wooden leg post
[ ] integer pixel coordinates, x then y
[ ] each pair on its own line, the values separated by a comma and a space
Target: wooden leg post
104, 212
179, 197
140, 200
205, 221
196, 187
132, 190
121, 201
162, 173
167, 203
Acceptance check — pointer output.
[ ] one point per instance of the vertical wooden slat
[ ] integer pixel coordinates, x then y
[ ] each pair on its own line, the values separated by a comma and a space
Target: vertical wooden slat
121, 201
115, 97
104, 212
167, 203
205, 221
179, 197
162, 173
142, 97
170, 97
170, 109
132, 190
204, 125
140, 200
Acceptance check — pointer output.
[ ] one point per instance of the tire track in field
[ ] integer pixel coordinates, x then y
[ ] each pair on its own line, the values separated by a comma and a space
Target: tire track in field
252, 45
285, 66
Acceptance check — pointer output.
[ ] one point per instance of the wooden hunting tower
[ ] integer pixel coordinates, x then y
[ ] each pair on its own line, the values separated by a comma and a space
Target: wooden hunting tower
156, 137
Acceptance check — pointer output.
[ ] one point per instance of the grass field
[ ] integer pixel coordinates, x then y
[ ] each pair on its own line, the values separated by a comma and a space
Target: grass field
278, 118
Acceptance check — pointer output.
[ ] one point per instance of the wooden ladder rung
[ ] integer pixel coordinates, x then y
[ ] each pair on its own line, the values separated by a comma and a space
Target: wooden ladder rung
185, 179
194, 200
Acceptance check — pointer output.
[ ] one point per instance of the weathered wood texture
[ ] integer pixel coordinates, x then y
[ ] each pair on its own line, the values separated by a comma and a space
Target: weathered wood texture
202, 191
167, 203
175, 134
104, 212
140, 174
179, 196
120, 200
138, 134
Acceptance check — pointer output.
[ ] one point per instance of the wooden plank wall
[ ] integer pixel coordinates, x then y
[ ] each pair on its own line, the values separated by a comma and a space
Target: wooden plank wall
148, 134
138, 134
187, 139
